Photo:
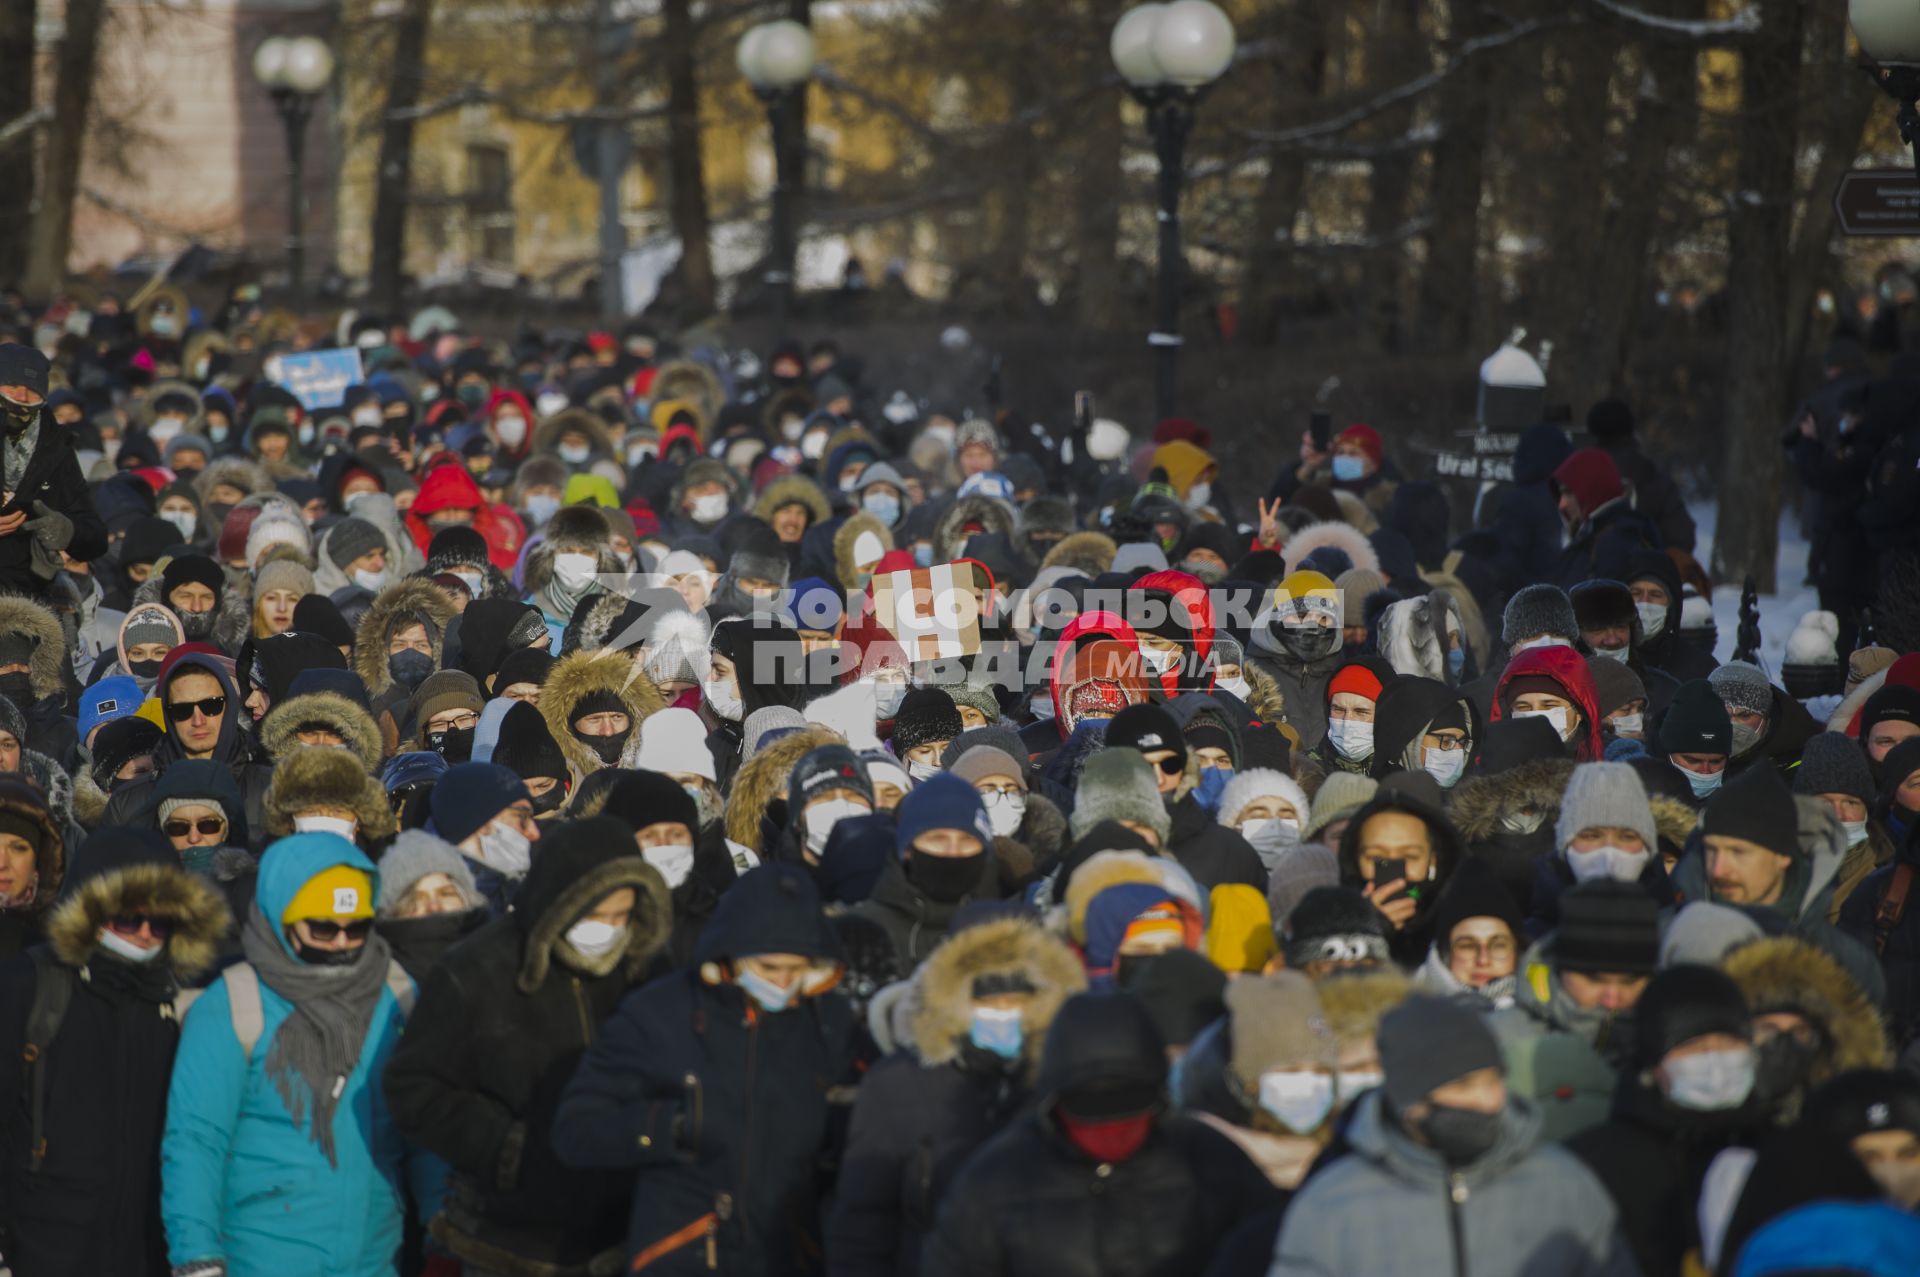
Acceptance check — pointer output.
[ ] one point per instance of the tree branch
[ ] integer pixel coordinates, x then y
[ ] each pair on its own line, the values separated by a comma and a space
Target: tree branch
475, 95
1720, 32
22, 124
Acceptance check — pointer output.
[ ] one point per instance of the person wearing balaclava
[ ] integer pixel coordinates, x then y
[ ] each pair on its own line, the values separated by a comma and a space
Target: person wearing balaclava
484, 810
1296, 642
46, 506
443, 714
1444, 1118
502, 1023
942, 836
192, 586
276, 1116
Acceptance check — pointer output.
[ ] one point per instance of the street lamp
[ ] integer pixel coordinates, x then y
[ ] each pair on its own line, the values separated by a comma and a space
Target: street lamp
777, 59
1889, 34
1170, 55
294, 69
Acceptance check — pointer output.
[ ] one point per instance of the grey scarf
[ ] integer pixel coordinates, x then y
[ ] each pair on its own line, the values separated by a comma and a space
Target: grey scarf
317, 1047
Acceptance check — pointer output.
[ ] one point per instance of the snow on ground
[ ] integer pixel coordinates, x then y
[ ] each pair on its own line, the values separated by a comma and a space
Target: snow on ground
1779, 613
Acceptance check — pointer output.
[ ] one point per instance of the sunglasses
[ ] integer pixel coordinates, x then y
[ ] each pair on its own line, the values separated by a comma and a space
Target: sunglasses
130, 924
181, 711
1172, 766
324, 931
207, 825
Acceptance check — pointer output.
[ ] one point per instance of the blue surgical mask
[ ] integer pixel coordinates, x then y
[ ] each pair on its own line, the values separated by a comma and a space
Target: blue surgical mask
998, 1031
883, 506
886, 700
1445, 766
541, 507
1457, 662
923, 555
767, 995
1703, 785
1213, 783
1347, 469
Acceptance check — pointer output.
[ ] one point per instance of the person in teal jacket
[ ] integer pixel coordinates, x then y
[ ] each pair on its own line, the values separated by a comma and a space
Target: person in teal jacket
280, 1158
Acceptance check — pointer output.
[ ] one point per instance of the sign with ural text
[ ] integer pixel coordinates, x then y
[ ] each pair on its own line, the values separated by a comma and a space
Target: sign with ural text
1879, 201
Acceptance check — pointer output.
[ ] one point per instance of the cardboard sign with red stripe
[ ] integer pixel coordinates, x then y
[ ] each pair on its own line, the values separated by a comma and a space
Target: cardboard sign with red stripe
933, 613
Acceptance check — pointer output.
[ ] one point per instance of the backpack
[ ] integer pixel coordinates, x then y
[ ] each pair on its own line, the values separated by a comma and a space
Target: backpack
1892, 905
249, 1017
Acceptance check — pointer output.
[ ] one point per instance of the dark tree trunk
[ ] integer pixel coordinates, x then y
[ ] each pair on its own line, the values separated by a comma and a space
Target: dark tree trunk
1296, 76
1759, 232
1097, 208
393, 180
1577, 210
16, 100
1447, 286
52, 233
1397, 50
688, 180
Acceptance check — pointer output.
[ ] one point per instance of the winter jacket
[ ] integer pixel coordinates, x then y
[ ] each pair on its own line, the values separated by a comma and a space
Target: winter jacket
1211, 852
1900, 956
580, 674
922, 1112
1479, 806
93, 1205
1302, 684
1392, 1206
52, 477
502, 1022
1520, 529
1655, 496
241, 1181
1653, 1155
721, 1107
915, 923
1031, 1202
1666, 650
1789, 728
23, 925
1605, 544
450, 487
233, 747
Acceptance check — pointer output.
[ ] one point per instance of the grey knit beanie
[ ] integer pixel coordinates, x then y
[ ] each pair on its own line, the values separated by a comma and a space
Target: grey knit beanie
1298, 871
1703, 933
415, 854
1834, 763
350, 538
1605, 794
1743, 686
1537, 610
1427, 1042
1340, 794
1117, 784
774, 718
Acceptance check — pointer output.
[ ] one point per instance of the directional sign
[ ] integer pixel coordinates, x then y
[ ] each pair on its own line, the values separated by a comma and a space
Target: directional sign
1879, 201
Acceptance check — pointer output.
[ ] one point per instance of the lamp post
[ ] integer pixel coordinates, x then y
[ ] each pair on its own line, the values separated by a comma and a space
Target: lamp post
1889, 34
777, 59
1170, 55
294, 69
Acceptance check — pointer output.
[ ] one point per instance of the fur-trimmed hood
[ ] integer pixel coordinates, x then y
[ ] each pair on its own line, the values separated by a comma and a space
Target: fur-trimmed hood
1478, 802
793, 489
546, 439
763, 778
1342, 536
279, 729
250, 477
537, 573
1043, 830
1086, 553
545, 910
233, 614
411, 599
1355, 1001
844, 566
1673, 819
694, 383
579, 674
949, 536
24, 616
320, 777
1003, 947
1265, 699
192, 903
54, 782
1098, 872
1780, 973
89, 800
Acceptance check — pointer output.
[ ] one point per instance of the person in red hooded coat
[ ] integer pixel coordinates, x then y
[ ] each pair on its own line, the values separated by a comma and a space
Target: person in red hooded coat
449, 496
1553, 683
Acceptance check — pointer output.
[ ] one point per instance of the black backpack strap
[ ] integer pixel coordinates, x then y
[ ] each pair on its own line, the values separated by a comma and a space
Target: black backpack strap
1892, 905
52, 992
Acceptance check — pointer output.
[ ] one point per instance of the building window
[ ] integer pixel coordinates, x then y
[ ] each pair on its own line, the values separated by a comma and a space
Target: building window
490, 203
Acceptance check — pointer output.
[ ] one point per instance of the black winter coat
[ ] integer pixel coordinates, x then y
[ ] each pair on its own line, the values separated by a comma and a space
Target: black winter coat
1211, 852
500, 1023
53, 476
914, 1127
1901, 957
914, 923
1605, 546
720, 1107
1655, 496
1667, 650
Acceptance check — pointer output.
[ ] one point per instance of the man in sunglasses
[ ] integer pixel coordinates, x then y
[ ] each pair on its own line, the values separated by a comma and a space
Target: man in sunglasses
131, 925
1207, 849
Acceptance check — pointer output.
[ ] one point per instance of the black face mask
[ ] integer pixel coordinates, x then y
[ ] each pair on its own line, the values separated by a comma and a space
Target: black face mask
551, 800
16, 417
1308, 643
144, 669
329, 957
18, 688
1461, 1136
944, 879
455, 744
198, 626
410, 668
607, 747
1781, 1065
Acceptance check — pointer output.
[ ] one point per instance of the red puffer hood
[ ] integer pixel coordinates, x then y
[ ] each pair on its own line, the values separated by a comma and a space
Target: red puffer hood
1189, 594
1568, 668
1083, 630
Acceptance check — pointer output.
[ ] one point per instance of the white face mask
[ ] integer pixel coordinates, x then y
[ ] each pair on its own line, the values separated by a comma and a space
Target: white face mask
1300, 1101
674, 861
1603, 863
1158, 661
369, 415
1653, 618
1004, 813
542, 506
1357, 1081
1522, 822
511, 428
1352, 739
1234, 687
506, 850
886, 700
1614, 653
709, 507
1629, 724
1198, 495
121, 947
922, 771
1270, 836
814, 446
165, 428
1545, 640
574, 454
325, 825
1856, 832
1711, 1081
592, 939
822, 816
371, 582
185, 520
1445, 765
1556, 717
574, 571
551, 403
722, 699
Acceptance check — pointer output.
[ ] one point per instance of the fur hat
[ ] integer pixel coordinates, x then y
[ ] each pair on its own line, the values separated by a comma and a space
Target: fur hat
1277, 1022
309, 778
1118, 784
1012, 948
1537, 610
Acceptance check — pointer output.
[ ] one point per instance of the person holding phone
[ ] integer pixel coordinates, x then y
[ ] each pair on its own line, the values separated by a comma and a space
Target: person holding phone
1399, 851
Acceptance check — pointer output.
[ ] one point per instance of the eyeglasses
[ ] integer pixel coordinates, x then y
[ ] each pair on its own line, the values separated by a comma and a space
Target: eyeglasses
459, 723
207, 825
129, 924
1447, 744
181, 711
324, 931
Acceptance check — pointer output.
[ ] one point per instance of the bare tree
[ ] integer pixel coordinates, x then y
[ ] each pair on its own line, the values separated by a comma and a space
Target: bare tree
393, 180
16, 102
52, 234
687, 181
1448, 286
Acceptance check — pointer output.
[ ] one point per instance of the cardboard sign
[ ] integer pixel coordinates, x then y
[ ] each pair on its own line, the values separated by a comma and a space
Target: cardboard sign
319, 378
933, 613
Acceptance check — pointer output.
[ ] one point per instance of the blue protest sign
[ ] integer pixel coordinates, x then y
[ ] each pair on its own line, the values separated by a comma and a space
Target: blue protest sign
319, 378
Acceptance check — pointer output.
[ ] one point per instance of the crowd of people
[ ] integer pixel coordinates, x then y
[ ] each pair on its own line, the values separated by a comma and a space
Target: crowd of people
578, 805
